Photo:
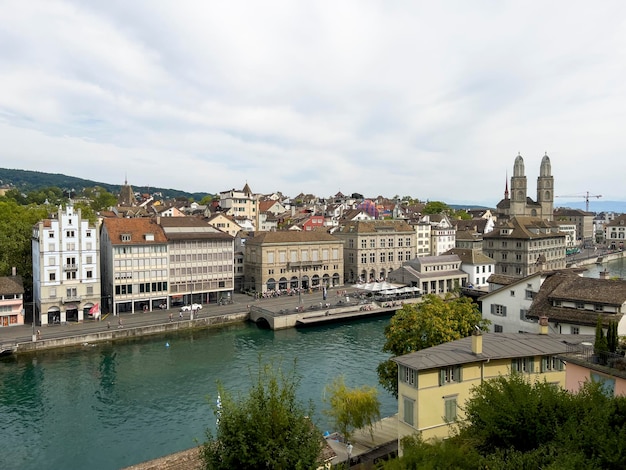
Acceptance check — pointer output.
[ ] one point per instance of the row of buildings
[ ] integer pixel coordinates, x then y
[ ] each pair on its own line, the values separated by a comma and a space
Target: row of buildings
141, 255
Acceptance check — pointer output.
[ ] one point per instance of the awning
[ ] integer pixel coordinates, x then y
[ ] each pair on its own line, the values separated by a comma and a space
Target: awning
71, 307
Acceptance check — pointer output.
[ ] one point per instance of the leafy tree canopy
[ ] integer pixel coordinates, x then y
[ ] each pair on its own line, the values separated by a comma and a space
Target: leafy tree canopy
268, 428
352, 408
436, 207
429, 323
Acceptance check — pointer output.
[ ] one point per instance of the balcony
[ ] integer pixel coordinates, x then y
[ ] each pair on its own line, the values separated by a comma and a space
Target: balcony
302, 264
70, 267
67, 300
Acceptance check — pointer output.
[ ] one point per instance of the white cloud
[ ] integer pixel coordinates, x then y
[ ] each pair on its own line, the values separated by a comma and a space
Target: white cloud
428, 99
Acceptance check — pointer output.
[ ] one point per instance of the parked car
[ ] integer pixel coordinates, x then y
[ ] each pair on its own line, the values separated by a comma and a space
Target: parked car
187, 308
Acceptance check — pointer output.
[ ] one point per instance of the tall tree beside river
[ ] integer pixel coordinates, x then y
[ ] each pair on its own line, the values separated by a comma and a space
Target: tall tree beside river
417, 326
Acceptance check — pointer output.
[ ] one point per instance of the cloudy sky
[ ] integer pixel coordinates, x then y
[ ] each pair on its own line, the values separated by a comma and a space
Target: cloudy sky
428, 99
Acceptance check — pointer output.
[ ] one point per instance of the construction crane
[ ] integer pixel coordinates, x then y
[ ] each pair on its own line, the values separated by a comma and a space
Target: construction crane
586, 196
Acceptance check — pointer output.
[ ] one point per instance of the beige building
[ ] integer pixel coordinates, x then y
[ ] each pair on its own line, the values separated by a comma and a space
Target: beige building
525, 245
134, 264
374, 248
66, 267
201, 261
432, 274
240, 203
292, 259
582, 220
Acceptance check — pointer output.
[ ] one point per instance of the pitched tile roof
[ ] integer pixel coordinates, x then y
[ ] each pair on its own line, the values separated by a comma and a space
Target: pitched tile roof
374, 226
136, 228
564, 286
291, 236
495, 346
11, 285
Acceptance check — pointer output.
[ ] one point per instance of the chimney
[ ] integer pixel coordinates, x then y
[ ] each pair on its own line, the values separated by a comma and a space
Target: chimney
477, 342
13, 271
543, 325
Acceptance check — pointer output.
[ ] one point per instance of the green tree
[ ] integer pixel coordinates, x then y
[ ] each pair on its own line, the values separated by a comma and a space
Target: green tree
436, 207
86, 212
352, 408
431, 322
102, 200
16, 226
600, 345
206, 200
612, 337
268, 428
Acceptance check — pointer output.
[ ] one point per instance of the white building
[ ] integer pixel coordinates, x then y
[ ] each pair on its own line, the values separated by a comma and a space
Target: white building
66, 267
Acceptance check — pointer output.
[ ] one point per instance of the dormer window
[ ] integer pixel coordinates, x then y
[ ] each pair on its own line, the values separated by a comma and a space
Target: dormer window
126, 237
149, 237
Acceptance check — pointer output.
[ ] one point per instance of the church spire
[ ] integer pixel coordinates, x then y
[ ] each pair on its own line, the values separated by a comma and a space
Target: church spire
506, 186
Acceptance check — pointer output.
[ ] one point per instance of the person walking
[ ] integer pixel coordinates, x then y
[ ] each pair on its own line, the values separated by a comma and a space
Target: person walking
119, 323
171, 317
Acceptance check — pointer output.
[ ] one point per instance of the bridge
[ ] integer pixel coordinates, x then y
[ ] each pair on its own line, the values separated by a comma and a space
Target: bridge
315, 314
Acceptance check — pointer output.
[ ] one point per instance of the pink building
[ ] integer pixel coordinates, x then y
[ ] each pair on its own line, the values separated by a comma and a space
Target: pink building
11, 300
583, 366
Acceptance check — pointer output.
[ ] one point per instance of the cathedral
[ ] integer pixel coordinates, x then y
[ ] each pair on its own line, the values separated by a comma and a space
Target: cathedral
519, 204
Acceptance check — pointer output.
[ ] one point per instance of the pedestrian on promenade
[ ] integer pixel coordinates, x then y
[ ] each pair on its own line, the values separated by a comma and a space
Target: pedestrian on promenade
180, 315
119, 323
108, 325
171, 319
38, 334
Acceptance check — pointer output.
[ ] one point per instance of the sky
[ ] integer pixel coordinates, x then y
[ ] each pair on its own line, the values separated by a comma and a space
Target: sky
432, 100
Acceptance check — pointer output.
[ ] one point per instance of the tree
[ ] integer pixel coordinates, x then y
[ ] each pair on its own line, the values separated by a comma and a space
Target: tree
269, 428
600, 345
417, 326
436, 207
612, 337
352, 408
16, 227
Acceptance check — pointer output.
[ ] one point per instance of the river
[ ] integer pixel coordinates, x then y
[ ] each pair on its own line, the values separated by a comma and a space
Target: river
107, 406
615, 268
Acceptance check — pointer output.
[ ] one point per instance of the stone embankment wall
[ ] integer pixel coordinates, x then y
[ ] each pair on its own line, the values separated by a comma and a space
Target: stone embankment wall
122, 333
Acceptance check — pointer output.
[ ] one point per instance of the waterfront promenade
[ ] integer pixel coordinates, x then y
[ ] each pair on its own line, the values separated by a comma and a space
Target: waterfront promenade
108, 328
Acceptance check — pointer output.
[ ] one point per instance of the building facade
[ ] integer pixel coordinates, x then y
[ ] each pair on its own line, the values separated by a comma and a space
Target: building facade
431, 274
66, 267
582, 220
284, 260
373, 249
241, 204
11, 300
134, 264
525, 245
201, 261
435, 383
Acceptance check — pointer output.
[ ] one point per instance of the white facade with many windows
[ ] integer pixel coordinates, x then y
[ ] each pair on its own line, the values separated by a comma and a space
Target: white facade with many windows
66, 267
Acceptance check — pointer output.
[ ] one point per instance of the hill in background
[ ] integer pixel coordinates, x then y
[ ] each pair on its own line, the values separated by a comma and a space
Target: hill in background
26, 180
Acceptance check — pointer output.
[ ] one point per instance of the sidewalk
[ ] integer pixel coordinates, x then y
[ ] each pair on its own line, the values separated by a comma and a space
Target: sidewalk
24, 333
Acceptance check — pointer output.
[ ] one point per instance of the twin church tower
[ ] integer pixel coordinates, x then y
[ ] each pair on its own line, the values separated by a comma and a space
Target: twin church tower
519, 204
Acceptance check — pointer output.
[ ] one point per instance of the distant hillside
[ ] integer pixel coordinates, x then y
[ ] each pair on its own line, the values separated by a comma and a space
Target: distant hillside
26, 180
618, 207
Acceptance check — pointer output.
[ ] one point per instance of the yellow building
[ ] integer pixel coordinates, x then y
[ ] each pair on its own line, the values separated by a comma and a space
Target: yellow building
434, 383
290, 260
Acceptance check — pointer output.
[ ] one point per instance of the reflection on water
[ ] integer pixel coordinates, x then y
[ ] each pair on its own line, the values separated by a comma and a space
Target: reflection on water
107, 406
615, 268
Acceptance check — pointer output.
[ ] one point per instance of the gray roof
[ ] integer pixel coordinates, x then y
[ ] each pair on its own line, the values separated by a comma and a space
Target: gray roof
495, 346
11, 285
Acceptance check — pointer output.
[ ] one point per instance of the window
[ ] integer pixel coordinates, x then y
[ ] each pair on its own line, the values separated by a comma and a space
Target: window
407, 375
90, 274
580, 305
373, 243
52, 277
50, 234
409, 411
498, 329
512, 293
574, 330
450, 374
88, 233
549, 363
523, 364
69, 233
53, 292
530, 295
499, 310
363, 243
450, 408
